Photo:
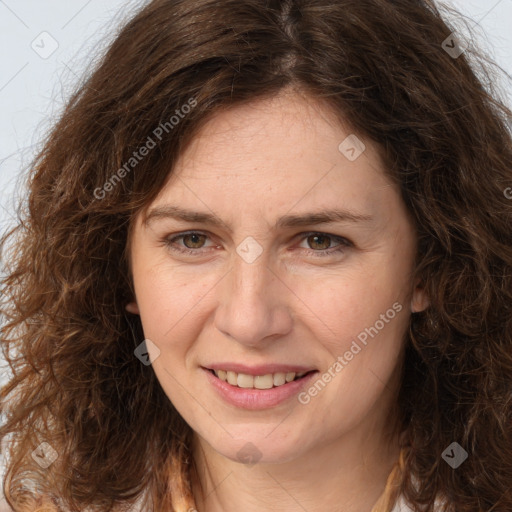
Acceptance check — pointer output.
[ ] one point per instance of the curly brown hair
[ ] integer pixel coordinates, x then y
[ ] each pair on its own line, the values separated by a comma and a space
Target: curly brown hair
381, 66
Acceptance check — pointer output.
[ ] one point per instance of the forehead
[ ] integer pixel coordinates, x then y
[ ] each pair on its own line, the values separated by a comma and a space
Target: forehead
287, 139
286, 126
282, 155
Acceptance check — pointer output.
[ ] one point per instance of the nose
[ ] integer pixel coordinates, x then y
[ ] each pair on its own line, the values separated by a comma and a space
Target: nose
254, 305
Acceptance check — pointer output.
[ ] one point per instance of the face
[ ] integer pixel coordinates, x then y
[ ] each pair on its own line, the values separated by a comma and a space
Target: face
274, 251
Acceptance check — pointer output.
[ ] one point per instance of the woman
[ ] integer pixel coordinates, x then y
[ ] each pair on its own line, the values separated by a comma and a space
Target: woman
266, 264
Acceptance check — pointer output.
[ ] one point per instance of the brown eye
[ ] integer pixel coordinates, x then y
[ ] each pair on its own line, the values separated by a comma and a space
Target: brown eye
319, 241
193, 240
324, 244
192, 243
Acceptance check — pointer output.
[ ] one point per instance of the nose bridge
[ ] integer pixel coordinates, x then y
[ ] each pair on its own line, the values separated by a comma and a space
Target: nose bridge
253, 303
251, 278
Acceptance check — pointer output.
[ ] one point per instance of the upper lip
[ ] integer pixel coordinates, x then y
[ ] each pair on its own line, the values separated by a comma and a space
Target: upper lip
261, 369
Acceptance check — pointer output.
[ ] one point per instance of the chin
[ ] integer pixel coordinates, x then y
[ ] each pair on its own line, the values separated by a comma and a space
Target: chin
257, 448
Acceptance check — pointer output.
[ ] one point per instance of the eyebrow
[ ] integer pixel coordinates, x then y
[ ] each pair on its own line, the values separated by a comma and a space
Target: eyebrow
287, 221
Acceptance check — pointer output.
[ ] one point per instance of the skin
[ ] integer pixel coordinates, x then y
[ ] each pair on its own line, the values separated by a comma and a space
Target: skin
250, 165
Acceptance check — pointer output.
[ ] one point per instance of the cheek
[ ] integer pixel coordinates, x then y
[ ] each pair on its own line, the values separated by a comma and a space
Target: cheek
167, 295
344, 302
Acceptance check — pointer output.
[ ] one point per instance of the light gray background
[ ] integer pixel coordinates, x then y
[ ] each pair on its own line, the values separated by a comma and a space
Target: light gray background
35, 85
33, 89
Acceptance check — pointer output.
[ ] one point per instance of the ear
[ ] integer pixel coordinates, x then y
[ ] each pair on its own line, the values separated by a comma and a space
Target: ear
133, 308
419, 300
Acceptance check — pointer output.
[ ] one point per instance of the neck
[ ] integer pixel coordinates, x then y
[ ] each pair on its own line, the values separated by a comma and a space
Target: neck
346, 474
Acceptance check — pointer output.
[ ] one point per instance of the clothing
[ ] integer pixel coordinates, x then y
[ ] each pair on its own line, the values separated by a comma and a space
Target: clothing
393, 481
401, 506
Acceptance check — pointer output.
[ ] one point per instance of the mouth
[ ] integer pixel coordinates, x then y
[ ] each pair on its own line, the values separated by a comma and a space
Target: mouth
257, 387
262, 382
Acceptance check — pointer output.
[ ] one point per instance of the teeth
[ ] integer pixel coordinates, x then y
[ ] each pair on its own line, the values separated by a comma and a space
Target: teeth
242, 380
279, 379
245, 381
265, 382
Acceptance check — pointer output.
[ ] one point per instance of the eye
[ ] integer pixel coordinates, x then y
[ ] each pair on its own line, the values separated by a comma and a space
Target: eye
193, 240
194, 243
321, 243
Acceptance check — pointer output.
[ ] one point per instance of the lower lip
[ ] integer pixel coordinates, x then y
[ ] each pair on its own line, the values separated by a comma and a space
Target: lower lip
255, 399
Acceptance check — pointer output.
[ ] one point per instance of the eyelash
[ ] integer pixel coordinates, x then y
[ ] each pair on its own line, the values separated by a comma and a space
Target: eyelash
344, 243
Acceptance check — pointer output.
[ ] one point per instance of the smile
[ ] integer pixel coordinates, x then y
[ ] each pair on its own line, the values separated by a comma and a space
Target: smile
259, 391
268, 381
